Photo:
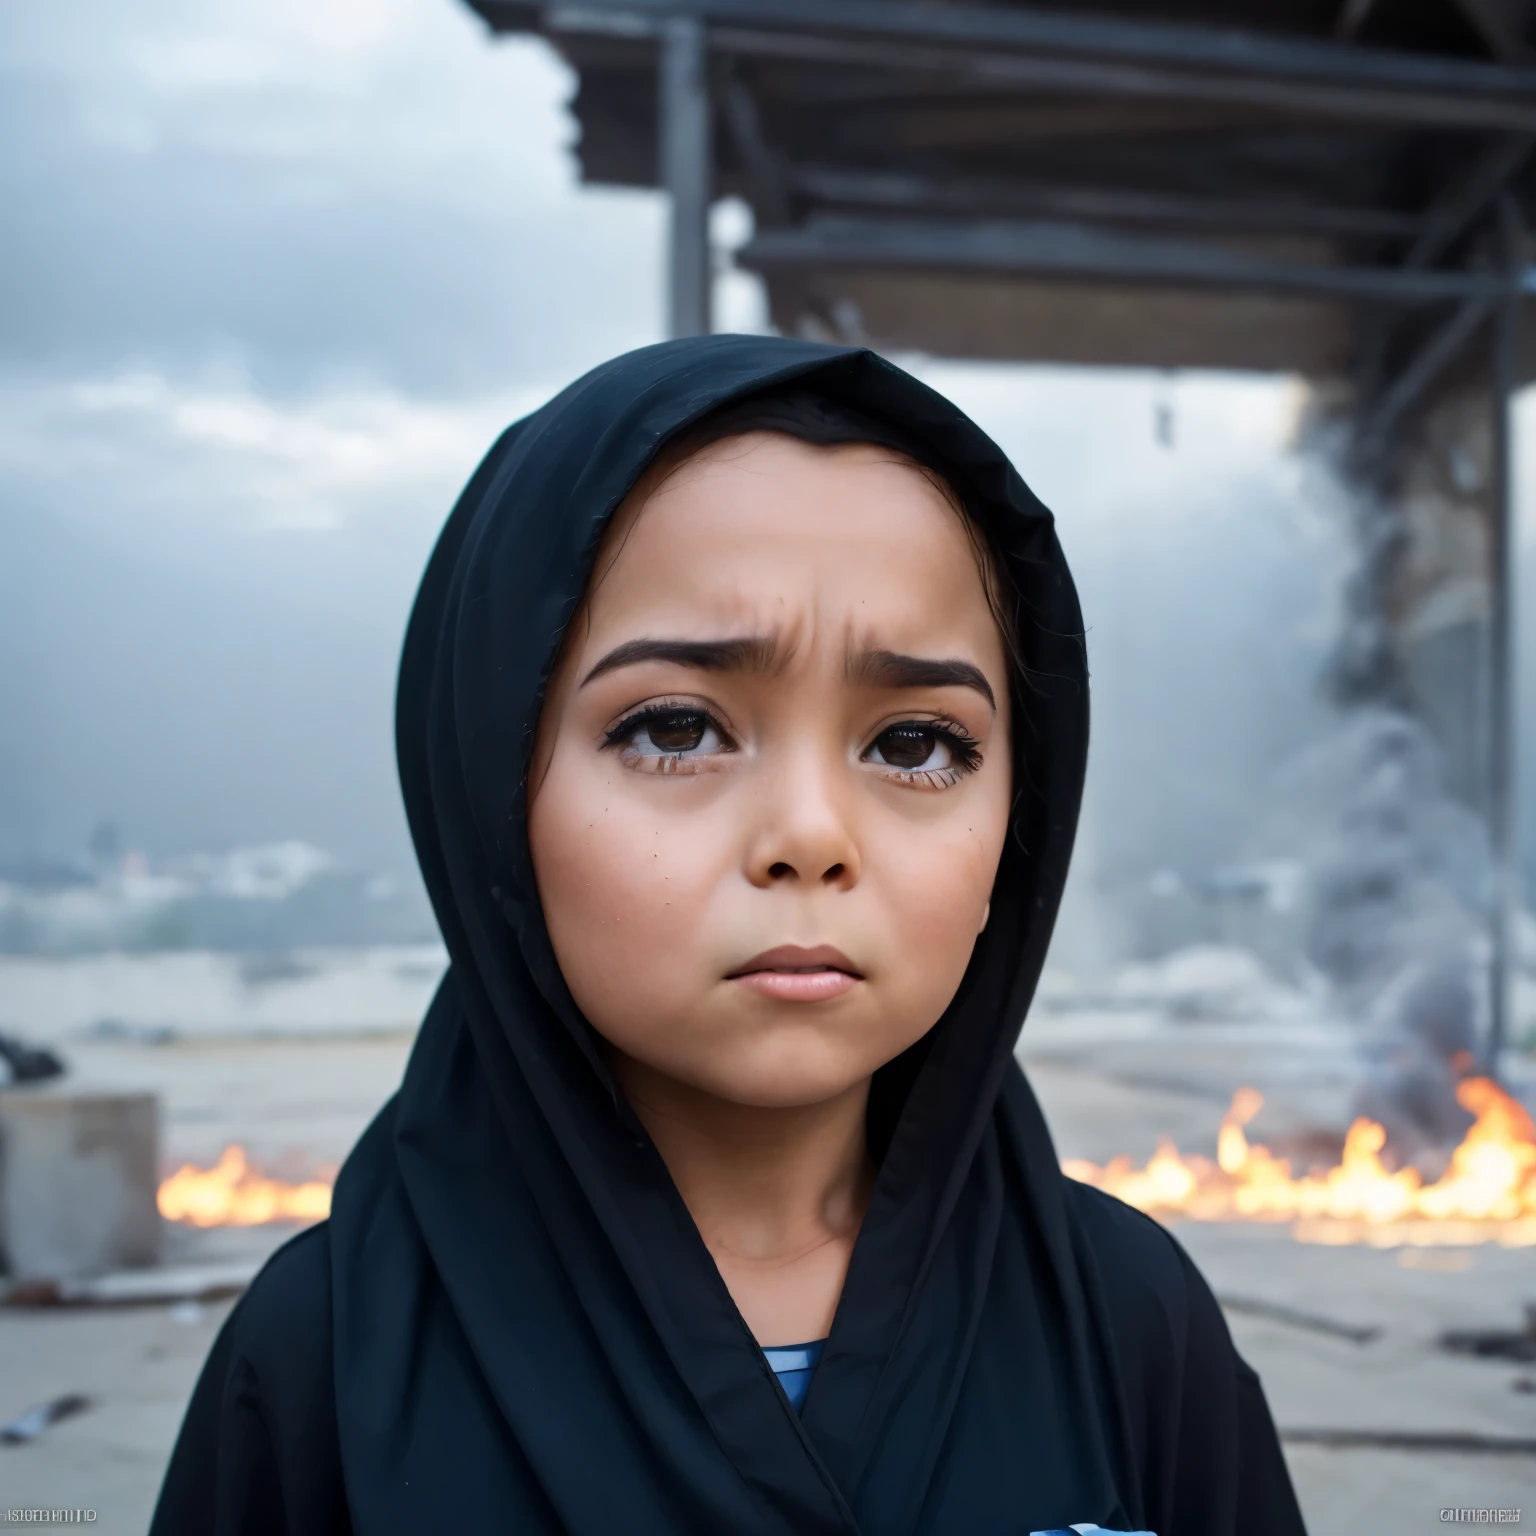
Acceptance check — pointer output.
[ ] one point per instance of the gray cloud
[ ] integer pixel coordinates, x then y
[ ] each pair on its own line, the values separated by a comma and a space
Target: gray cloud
387, 194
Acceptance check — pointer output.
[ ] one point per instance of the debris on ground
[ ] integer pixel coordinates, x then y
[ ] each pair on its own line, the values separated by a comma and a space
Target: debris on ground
27, 1426
1296, 1317
1495, 1343
136, 1287
23, 1063
1452, 1441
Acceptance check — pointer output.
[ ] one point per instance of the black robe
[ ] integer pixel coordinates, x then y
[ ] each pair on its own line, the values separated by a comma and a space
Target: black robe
510, 1322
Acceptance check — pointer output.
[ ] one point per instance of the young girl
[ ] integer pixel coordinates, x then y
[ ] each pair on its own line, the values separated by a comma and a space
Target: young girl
741, 725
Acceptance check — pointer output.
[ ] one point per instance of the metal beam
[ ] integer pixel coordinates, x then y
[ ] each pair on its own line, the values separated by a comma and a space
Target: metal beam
1450, 215
1004, 197
1499, 30
1050, 50
763, 168
1502, 695
1026, 29
1079, 253
1459, 204
685, 172
1036, 76
1437, 354
1351, 17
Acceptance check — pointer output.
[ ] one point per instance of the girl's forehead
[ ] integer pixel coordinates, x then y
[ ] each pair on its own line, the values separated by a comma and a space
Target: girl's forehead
769, 521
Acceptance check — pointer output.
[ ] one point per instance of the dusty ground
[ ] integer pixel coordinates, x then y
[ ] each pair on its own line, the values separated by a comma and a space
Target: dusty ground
1108, 1084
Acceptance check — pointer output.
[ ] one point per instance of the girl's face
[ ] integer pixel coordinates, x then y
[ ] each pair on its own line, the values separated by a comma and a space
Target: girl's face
771, 782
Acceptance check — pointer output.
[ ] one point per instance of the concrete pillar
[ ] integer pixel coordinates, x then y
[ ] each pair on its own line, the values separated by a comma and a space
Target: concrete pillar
78, 1176
1503, 687
1437, 590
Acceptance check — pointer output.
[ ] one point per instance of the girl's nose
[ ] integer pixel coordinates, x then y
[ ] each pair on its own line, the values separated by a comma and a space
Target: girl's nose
803, 831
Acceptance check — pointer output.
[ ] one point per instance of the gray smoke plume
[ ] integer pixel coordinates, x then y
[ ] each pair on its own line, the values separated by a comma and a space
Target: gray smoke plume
1396, 878
1397, 867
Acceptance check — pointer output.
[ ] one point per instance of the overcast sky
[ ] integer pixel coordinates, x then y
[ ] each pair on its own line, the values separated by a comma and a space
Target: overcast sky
277, 271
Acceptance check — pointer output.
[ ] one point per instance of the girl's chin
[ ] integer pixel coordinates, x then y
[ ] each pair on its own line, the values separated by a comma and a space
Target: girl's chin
763, 1054
790, 1085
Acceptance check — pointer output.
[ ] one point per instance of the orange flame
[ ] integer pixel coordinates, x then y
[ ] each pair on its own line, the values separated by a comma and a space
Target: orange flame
233, 1194
1488, 1193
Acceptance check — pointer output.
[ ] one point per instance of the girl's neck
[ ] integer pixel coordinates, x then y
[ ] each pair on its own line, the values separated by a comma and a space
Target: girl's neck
777, 1194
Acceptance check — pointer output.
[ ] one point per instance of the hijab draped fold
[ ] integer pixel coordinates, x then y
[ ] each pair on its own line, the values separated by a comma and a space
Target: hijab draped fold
527, 1332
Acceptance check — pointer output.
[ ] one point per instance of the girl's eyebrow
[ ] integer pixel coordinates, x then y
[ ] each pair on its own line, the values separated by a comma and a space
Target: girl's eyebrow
891, 669
758, 653
752, 653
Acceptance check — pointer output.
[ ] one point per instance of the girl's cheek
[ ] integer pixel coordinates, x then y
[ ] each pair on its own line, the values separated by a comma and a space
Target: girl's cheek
937, 879
625, 899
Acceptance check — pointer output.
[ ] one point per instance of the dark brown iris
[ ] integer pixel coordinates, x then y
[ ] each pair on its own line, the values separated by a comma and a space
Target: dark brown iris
681, 732
906, 746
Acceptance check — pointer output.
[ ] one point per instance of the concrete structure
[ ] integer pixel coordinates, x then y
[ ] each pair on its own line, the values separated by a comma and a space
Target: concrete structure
1334, 188
78, 1175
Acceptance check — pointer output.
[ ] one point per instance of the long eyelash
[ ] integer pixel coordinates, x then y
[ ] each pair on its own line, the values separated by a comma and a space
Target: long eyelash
966, 748
659, 710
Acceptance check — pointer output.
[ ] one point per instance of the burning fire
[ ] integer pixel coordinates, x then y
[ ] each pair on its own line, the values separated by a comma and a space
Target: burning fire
233, 1194
1487, 1193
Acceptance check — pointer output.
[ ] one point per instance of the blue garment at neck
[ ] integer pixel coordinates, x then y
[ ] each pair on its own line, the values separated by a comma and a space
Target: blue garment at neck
793, 1364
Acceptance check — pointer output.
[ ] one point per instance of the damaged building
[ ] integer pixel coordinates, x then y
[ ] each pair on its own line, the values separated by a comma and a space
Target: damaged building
1335, 189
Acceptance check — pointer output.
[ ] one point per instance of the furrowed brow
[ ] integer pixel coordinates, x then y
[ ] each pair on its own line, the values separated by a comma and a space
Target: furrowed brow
753, 653
891, 669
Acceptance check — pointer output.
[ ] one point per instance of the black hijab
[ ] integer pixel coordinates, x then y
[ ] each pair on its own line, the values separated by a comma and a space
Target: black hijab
526, 1332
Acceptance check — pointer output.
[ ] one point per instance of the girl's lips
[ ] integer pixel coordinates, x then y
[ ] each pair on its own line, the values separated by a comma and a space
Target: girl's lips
798, 986
792, 974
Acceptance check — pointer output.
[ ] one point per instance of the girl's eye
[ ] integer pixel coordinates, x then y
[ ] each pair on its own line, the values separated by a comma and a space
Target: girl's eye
935, 753
668, 732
